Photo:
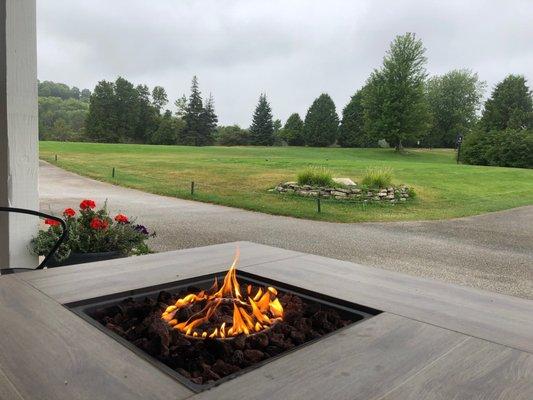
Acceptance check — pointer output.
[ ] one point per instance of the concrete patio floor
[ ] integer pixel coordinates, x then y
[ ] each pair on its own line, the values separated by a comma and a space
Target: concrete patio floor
492, 251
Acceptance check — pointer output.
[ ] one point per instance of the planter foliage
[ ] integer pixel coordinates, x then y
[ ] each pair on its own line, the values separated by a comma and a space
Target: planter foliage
90, 231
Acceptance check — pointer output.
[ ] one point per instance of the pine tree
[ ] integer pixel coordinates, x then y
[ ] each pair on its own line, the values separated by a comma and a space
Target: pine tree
101, 119
147, 118
351, 130
126, 109
510, 106
192, 134
395, 105
294, 130
262, 128
321, 122
209, 122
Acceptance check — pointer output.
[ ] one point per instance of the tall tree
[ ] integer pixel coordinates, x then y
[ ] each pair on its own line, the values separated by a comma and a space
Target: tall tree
168, 131
277, 125
395, 105
262, 128
181, 104
194, 132
85, 95
147, 120
510, 106
209, 122
352, 130
75, 93
294, 130
126, 110
101, 119
321, 122
454, 100
159, 98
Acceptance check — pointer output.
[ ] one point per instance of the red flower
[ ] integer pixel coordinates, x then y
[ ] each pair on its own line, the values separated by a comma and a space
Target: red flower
69, 212
97, 223
85, 204
122, 219
51, 222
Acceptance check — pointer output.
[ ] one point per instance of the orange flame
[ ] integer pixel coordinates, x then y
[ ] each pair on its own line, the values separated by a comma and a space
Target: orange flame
252, 312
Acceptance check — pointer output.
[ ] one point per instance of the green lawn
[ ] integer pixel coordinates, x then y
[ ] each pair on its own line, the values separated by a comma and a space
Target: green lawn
241, 176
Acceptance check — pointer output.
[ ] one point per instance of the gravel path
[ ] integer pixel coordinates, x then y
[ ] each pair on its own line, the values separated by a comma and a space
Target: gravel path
492, 251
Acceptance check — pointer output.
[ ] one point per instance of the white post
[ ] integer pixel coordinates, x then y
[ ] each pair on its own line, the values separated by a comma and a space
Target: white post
19, 161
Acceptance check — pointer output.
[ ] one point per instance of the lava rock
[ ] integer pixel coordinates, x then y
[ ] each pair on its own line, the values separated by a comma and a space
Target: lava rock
223, 368
253, 356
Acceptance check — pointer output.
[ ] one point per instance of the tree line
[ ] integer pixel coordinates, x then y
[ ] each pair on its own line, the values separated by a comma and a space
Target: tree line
399, 105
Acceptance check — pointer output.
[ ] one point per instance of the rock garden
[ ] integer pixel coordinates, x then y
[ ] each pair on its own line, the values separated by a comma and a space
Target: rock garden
376, 186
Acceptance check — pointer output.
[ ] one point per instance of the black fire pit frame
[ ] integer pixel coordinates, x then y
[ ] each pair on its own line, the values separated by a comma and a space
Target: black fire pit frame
347, 310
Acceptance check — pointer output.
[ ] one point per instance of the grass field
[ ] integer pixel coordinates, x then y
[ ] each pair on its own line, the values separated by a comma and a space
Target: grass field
241, 176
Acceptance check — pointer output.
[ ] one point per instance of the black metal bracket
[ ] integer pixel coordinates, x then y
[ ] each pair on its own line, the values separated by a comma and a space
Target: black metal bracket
41, 215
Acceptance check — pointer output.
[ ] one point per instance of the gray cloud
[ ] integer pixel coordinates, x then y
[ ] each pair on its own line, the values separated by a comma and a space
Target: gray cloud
293, 50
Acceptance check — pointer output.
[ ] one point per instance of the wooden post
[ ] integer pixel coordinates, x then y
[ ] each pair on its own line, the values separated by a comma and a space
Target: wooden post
318, 209
18, 130
56, 158
192, 188
113, 173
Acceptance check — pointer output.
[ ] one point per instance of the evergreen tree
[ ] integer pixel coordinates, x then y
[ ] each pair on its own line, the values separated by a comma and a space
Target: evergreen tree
262, 128
126, 110
194, 129
101, 118
159, 98
321, 122
395, 105
209, 122
351, 131
147, 117
510, 106
454, 99
277, 125
294, 130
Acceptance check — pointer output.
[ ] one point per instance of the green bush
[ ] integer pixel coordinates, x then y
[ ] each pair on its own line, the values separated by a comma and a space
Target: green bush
509, 148
315, 176
377, 177
232, 136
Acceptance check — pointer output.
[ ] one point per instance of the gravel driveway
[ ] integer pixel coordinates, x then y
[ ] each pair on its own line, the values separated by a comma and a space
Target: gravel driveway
492, 251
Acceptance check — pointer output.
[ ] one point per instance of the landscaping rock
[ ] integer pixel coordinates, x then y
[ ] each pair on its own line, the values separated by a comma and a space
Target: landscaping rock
344, 181
338, 193
390, 194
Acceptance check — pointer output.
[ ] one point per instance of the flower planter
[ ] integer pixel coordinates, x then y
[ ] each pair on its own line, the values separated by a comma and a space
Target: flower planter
90, 235
82, 258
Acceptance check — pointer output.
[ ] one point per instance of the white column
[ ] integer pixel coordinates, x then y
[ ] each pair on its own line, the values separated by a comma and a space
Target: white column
18, 130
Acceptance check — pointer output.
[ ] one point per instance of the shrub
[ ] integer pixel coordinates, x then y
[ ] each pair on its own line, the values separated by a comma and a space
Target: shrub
232, 136
315, 176
377, 177
509, 148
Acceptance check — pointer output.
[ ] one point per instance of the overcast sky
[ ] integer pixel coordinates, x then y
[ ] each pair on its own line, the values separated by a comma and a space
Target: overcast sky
290, 49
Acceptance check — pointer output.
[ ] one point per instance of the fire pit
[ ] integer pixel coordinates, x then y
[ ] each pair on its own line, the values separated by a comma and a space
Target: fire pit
202, 333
